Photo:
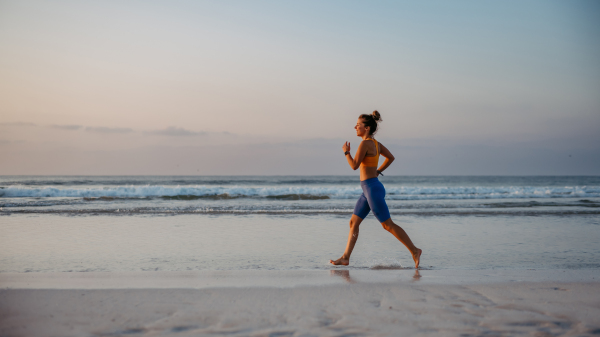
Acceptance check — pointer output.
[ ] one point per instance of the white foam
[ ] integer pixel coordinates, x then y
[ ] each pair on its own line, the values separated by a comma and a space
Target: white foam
334, 192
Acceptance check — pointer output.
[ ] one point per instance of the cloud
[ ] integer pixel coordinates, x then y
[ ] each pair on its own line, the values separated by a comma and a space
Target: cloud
174, 131
6, 141
66, 127
18, 124
104, 129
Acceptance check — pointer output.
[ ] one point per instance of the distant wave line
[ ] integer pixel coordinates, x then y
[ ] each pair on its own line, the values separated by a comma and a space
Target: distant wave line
302, 193
345, 212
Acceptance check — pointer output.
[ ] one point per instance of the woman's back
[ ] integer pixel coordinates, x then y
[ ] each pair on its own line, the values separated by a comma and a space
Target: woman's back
368, 166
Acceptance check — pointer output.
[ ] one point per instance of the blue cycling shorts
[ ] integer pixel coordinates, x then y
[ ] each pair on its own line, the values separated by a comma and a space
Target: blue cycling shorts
373, 198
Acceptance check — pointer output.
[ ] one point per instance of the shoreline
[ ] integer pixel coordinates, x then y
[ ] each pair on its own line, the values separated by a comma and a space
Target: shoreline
287, 278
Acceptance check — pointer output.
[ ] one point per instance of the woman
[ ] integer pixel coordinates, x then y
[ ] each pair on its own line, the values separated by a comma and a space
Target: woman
367, 158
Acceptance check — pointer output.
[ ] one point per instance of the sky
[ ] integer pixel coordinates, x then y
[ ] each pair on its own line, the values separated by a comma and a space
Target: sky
275, 87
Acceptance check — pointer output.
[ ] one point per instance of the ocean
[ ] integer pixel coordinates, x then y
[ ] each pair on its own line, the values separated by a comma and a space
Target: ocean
182, 223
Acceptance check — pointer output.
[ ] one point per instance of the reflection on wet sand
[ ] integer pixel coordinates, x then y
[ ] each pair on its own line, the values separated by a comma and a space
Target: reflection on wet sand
344, 274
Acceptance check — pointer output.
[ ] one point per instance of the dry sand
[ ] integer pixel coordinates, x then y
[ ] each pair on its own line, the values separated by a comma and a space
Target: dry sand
324, 303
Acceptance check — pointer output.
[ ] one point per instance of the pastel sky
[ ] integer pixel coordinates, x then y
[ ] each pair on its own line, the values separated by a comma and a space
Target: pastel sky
275, 87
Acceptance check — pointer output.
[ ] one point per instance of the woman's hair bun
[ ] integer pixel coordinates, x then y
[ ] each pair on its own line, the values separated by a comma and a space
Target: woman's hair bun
376, 115
371, 121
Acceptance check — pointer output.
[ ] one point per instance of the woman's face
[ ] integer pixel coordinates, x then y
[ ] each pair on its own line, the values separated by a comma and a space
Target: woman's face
360, 128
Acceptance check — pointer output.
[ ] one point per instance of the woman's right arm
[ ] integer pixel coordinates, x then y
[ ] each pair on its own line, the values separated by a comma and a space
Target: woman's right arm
360, 154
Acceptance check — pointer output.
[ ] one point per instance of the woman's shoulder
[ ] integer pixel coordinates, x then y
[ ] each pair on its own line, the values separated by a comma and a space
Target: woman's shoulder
369, 141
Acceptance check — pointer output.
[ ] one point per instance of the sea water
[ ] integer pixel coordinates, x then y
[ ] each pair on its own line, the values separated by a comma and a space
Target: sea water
161, 223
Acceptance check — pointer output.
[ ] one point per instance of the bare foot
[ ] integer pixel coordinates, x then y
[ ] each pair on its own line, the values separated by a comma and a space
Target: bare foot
417, 258
340, 262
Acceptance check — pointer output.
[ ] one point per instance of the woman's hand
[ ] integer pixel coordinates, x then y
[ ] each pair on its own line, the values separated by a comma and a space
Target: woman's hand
346, 147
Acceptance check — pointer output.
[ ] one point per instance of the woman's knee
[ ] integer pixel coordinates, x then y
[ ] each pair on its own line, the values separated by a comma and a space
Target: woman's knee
355, 222
388, 225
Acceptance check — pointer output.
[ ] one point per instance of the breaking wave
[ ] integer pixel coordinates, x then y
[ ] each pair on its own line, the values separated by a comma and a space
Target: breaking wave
300, 192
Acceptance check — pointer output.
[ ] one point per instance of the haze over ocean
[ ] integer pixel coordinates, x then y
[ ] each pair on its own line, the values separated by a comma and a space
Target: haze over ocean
270, 87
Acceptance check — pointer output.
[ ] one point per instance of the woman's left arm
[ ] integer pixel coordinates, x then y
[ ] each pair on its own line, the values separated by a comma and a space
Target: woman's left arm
389, 157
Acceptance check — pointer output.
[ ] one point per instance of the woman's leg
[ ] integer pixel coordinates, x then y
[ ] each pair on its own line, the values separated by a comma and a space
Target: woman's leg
375, 194
361, 210
352, 237
401, 235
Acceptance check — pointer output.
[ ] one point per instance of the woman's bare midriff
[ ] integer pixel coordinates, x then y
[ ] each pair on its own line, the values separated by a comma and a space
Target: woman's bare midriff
368, 172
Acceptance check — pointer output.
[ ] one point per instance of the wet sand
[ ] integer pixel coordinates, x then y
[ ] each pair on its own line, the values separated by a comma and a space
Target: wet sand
302, 303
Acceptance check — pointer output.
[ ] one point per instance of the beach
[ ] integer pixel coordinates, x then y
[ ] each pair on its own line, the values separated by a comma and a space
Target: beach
301, 303
198, 168
248, 256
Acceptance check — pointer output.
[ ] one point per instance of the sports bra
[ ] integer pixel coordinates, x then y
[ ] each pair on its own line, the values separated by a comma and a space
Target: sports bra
371, 161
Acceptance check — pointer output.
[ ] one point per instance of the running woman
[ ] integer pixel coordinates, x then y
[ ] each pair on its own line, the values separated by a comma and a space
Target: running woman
367, 158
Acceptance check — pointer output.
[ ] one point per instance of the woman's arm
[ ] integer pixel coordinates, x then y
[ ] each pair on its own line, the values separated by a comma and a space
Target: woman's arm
360, 154
389, 157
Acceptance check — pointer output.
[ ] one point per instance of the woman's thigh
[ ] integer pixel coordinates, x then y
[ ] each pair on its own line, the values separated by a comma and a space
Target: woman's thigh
362, 208
376, 200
